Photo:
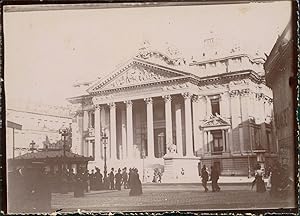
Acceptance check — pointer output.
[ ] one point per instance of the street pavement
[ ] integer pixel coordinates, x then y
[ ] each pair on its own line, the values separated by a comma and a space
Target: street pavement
171, 197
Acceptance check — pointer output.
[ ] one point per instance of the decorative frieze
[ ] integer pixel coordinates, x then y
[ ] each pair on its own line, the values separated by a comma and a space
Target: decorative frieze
175, 87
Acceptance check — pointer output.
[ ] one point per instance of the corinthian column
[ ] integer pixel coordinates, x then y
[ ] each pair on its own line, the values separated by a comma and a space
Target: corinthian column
124, 135
178, 129
188, 124
150, 133
113, 134
168, 113
129, 129
97, 134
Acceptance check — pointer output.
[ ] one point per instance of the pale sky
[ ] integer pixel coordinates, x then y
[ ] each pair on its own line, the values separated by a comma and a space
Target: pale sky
46, 52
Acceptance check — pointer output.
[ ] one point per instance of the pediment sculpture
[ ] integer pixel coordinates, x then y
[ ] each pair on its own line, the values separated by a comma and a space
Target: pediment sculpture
136, 75
215, 120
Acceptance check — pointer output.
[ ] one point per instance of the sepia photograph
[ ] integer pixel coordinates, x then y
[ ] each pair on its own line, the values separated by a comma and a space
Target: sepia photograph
150, 107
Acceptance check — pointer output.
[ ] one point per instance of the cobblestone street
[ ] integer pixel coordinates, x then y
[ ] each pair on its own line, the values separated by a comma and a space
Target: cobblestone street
170, 197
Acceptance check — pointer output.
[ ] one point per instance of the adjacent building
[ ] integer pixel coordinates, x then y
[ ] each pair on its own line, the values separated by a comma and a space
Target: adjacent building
215, 107
281, 77
40, 125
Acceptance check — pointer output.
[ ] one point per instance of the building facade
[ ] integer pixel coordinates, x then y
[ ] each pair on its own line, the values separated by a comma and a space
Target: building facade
216, 108
40, 124
280, 76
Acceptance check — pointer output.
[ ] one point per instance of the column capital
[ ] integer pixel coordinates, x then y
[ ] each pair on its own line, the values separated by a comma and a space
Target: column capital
196, 98
148, 100
234, 93
167, 98
244, 92
187, 95
97, 106
112, 105
128, 103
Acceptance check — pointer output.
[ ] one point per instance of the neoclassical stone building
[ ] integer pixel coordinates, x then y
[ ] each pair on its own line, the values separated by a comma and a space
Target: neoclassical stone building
216, 108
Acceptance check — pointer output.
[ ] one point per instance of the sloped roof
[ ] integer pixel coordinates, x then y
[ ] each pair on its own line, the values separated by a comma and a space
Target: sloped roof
51, 154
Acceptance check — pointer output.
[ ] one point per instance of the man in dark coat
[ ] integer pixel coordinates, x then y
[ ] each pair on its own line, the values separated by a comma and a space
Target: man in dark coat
130, 177
125, 178
92, 178
118, 178
112, 179
214, 179
204, 175
98, 179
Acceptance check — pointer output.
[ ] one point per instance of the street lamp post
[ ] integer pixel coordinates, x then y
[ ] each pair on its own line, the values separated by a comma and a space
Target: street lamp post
104, 140
32, 148
64, 133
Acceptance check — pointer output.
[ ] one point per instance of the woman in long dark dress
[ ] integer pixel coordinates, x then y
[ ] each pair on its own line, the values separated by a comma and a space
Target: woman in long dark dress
260, 184
136, 184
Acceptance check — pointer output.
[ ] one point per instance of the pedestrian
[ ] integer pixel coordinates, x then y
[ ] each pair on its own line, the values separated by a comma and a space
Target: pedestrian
214, 179
260, 184
130, 177
86, 180
125, 178
92, 178
112, 179
98, 179
135, 184
118, 178
204, 175
79, 184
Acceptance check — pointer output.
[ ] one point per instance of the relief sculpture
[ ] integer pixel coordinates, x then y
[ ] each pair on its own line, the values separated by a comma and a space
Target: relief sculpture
136, 75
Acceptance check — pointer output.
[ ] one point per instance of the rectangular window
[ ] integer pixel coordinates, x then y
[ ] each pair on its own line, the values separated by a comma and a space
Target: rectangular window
217, 142
215, 106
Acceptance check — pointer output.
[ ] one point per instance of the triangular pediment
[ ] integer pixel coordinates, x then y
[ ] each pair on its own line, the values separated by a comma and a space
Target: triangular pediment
135, 73
215, 120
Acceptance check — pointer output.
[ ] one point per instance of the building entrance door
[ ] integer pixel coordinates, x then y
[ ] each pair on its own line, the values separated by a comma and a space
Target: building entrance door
159, 142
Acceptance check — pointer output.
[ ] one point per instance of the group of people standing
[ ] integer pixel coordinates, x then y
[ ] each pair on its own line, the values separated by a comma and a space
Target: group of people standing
114, 180
278, 181
213, 177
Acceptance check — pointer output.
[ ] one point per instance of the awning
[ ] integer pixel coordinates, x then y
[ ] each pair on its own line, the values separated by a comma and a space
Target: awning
14, 125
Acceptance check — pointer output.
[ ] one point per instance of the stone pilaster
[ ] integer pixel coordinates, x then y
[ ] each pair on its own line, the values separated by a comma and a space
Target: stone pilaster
208, 107
85, 120
235, 120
